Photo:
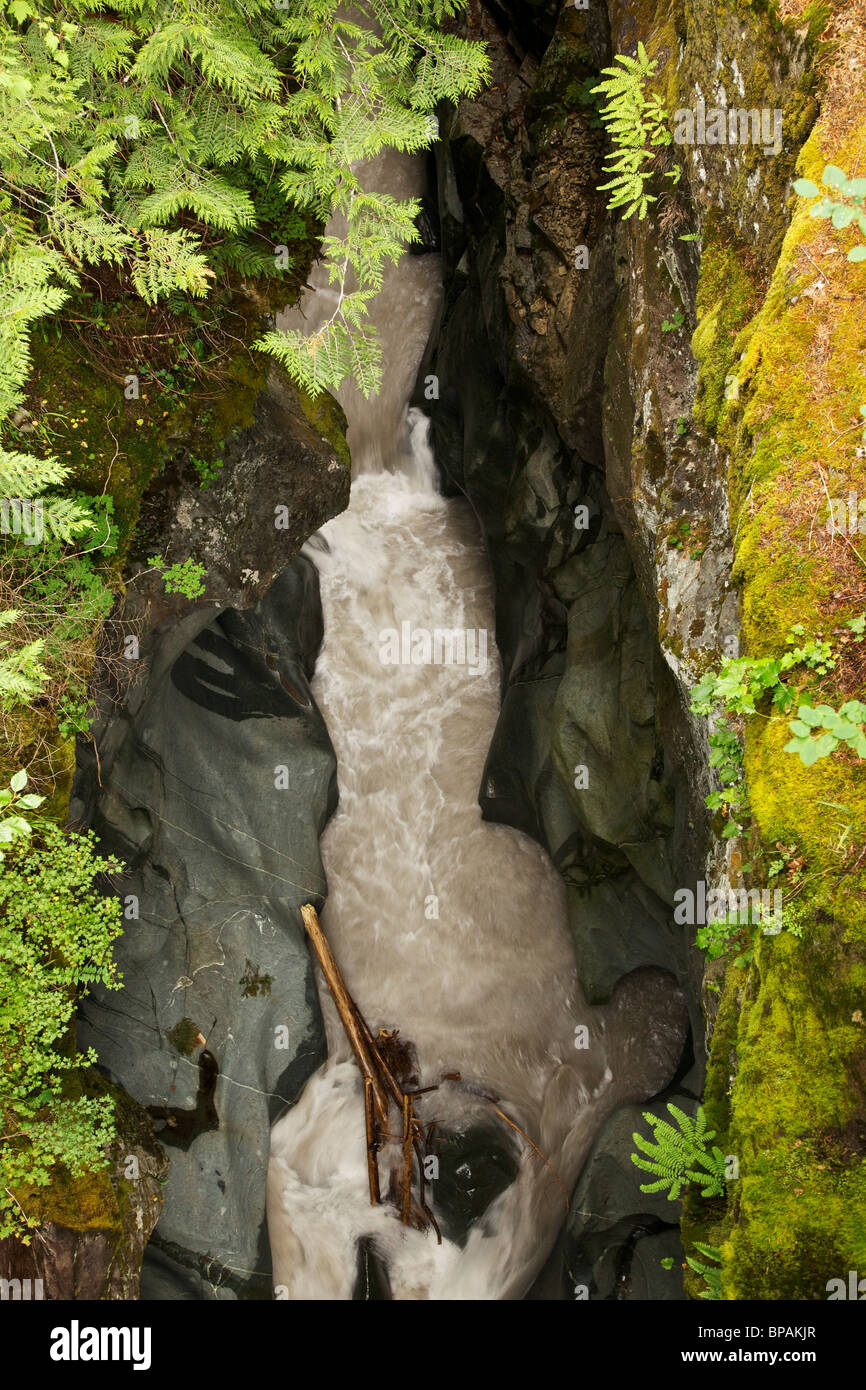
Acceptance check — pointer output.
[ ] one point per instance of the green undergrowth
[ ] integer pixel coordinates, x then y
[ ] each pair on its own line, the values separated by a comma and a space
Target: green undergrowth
196, 382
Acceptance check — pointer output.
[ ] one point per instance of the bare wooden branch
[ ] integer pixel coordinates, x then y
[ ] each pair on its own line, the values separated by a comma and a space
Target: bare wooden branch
367, 1059
372, 1142
380, 1088
408, 1154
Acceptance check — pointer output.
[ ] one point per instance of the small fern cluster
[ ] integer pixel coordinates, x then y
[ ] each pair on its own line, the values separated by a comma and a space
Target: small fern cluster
712, 1273
637, 123
679, 1154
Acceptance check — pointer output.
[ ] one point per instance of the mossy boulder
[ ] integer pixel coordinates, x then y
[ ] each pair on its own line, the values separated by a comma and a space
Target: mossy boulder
91, 1229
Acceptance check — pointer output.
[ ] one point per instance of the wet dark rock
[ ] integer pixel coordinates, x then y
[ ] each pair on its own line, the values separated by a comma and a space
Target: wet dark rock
595, 754
372, 1284
283, 478
427, 226
476, 1165
217, 780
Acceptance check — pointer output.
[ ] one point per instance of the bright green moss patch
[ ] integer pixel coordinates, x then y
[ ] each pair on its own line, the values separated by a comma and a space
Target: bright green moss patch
794, 433
821, 812
728, 294
798, 1123
96, 1199
786, 1077
326, 415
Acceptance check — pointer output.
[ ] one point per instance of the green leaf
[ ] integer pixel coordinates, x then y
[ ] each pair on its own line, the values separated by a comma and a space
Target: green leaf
806, 188
834, 177
18, 780
812, 717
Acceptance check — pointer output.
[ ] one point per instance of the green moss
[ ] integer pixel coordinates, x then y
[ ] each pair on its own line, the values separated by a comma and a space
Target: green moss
94, 1200
728, 295
185, 1036
819, 809
326, 415
789, 436
798, 1124
117, 445
786, 1080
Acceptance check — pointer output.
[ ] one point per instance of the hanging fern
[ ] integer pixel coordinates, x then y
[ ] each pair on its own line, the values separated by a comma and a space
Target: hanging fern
712, 1273
637, 124
680, 1155
22, 675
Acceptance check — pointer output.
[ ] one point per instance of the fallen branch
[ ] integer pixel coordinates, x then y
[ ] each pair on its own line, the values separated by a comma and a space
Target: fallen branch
380, 1087
348, 1013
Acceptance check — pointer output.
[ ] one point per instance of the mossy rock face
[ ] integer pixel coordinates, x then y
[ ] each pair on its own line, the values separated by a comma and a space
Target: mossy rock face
786, 1083
682, 304
92, 1228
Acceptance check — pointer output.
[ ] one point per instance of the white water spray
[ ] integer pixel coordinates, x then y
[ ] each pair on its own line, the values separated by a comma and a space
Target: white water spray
448, 928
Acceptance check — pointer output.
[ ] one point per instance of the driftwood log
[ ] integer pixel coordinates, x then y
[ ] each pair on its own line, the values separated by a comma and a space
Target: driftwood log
382, 1091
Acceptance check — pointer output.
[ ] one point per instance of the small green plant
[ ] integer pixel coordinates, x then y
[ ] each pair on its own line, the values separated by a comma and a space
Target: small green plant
637, 123
731, 938
676, 321
14, 826
56, 935
22, 674
726, 758
679, 1154
734, 691
843, 200
681, 533
819, 730
208, 470
741, 682
712, 1273
185, 577
72, 717
582, 93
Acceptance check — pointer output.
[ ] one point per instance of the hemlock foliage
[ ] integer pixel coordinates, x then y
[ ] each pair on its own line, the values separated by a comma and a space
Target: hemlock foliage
166, 139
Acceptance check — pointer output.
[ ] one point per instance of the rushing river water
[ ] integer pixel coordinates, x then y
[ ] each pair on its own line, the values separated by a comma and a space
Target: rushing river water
448, 928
